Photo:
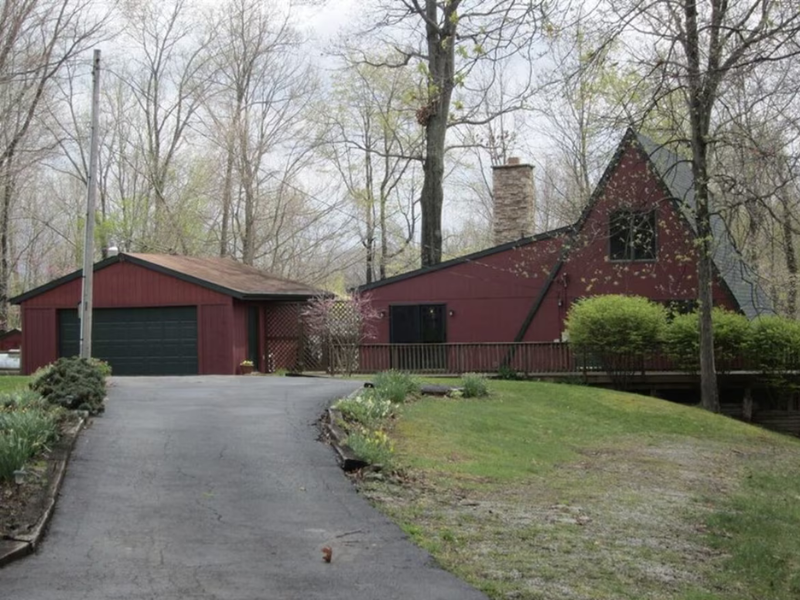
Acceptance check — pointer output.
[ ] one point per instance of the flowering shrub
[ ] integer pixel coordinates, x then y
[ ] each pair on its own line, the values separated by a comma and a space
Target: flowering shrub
367, 408
373, 447
395, 385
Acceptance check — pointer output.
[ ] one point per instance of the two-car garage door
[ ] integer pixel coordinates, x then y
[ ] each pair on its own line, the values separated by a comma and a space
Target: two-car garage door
137, 341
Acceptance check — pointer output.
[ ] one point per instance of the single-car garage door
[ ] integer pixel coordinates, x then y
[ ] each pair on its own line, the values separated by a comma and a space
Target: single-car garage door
137, 341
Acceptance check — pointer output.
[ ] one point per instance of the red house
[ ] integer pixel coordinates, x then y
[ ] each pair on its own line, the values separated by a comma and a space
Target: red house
10, 340
635, 237
166, 315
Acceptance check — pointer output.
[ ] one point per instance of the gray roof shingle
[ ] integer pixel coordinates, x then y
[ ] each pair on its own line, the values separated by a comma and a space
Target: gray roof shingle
742, 281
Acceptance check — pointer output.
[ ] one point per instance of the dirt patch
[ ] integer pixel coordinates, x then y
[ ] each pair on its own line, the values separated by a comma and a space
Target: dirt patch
22, 506
621, 522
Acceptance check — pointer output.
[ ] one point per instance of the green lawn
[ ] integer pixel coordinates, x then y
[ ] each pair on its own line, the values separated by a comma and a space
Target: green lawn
554, 491
9, 383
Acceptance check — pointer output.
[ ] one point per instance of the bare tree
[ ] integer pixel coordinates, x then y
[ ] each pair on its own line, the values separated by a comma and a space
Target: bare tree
448, 42
38, 38
167, 76
372, 138
261, 95
689, 51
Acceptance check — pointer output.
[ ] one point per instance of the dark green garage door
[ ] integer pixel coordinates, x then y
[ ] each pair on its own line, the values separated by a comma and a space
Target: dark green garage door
137, 341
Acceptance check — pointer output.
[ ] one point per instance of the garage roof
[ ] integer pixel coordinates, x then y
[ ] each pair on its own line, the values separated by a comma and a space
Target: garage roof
222, 275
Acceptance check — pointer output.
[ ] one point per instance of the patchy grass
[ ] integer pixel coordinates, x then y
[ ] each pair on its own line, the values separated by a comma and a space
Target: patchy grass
11, 383
553, 491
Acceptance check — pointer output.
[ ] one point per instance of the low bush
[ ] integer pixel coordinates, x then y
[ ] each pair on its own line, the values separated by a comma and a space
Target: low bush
395, 385
682, 338
615, 324
373, 447
507, 373
367, 408
23, 399
73, 383
773, 344
103, 366
474, 385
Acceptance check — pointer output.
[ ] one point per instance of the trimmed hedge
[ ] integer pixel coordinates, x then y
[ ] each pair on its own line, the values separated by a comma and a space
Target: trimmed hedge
773, 344
616, 325
682, 338
74, 383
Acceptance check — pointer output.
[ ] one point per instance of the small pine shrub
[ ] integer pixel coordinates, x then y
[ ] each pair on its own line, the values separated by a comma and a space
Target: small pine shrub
73, 383
474, 386
373, 447
395, 385
103, 366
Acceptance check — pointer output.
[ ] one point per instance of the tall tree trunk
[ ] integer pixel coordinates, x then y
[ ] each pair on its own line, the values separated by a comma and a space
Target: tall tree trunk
227, 196
384, 240
5, 234
369, 214
705, 275
791, 259
432, 197
441, 42
701, 99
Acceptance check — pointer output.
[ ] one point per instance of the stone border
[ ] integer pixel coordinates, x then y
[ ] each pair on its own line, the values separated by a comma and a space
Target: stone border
346, 458
344, 455
23, 545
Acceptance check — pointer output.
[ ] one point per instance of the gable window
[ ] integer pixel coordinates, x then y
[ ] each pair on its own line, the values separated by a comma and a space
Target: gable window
632, 235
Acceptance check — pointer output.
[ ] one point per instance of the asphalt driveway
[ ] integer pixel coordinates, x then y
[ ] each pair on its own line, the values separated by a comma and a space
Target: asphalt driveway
216, 487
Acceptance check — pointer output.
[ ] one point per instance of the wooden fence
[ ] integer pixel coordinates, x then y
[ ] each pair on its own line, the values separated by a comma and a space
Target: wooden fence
524, 358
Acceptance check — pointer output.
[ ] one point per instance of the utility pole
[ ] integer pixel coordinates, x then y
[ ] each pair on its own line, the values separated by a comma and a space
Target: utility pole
87, 278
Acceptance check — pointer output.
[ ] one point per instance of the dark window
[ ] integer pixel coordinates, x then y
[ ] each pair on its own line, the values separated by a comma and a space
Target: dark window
633, 235
418, 329
417, 324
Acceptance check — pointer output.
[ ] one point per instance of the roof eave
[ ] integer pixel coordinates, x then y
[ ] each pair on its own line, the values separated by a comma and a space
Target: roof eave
50, 285
464, 259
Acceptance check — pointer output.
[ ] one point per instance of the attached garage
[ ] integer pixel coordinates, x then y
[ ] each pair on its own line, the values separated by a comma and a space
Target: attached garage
160, 315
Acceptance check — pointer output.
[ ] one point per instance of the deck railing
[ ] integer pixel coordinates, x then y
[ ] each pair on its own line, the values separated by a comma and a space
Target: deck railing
524, 358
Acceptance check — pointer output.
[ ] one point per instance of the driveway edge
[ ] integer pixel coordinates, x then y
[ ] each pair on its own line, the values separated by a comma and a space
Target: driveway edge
23, 545
346, 458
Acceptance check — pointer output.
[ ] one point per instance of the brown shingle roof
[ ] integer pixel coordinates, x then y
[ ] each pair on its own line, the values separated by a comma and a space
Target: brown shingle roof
225, 273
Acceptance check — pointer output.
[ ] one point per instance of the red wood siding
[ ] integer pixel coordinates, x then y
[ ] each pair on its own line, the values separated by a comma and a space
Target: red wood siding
39, 338
127, 285
239, 333
11, 341
215, 339
588, 271
491, 297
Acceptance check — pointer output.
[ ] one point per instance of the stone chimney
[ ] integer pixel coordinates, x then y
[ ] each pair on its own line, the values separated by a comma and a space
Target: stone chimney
513, 201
